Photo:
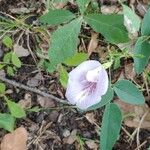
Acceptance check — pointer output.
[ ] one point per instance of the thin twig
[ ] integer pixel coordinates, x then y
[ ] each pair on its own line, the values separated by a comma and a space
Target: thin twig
138, 129
141, 145
37, 91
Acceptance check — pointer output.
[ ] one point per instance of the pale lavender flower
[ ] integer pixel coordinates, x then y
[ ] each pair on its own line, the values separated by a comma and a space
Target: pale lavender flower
86, 84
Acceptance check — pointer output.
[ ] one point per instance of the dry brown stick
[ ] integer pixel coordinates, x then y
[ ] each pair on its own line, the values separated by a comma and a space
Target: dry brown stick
37, 91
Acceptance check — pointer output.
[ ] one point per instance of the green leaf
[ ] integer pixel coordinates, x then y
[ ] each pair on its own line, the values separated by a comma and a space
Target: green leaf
128, 92
1, 66
7, 41
7, 122
63, 76
133, 19
116, 63
142, 47
56, 17
10, 71
64, 42
82, 4
49, 67
7, 58
107, 64
105, 99
110, 26
77, 59
111, 125
16, 110
15, 60
2, 88
145, 30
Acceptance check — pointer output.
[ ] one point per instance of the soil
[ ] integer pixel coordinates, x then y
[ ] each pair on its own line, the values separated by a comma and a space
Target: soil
49, 128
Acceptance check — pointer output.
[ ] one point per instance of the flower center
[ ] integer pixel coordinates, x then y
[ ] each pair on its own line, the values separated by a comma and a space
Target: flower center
89, 88
93, 75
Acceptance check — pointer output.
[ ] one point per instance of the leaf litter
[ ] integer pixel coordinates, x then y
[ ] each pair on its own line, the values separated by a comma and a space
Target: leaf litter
68, 119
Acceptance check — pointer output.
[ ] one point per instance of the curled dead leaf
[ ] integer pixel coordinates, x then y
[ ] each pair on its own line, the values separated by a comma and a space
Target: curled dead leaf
93, 43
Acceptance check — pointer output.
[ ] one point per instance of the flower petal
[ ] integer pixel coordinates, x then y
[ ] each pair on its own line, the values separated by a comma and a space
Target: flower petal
73, 88
80, 71
88, 101
102, 84
93, 75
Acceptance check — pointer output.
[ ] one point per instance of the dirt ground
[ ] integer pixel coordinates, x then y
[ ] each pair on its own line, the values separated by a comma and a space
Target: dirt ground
57, 126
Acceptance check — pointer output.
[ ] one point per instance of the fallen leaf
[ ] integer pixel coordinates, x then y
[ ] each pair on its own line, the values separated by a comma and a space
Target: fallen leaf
25, 103
135, 124
129, 71
93, 43
134, 114
109, 9
59, 5
15, 140
20, 51
92, 145
125, 107
70, 139
142, 8
45, 102
33, 82
90, 117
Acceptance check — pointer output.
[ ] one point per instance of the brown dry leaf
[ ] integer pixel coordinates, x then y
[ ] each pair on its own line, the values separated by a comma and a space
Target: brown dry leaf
15, 140
20, 51
129, 71
25, 103
91, 118
125, 107
142, 9
135, 124
93, 43
70, 139
138, 112
45, 102
109, 9
35, 81
92, 145
59, 5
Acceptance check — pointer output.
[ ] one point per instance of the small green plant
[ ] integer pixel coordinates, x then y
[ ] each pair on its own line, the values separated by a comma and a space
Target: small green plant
7, 120
11, 62
115, 29
63, 55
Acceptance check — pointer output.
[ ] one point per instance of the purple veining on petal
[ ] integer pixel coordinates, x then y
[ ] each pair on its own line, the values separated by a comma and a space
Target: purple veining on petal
86, 84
